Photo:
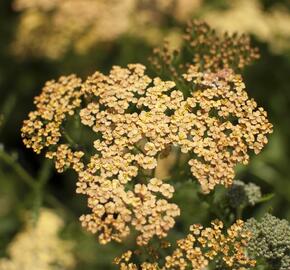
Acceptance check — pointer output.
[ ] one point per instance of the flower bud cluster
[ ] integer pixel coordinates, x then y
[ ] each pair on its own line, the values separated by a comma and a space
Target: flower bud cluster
214, 52
240, 194
270, 241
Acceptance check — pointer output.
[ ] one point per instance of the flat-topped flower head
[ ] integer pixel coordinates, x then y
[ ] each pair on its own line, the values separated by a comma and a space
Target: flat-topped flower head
133, 119
229, 125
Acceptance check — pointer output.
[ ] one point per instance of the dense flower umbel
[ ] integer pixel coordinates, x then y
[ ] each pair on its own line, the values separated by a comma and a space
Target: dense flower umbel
228, 126
56, 101
200, 247
134, 119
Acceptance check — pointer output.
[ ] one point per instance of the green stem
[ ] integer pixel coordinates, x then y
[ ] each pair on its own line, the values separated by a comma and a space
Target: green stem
43, 176
70, 140
36, 186
153, 172
139, 149
56, 203
239, 211
18, 169
8, 107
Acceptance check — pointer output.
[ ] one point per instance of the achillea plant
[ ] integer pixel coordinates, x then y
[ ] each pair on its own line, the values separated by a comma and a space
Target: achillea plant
202, 111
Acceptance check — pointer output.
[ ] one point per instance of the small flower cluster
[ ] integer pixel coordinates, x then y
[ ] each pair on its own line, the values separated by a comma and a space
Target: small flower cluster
210, 52
57, 101
241, 194
134, 119
214, 52
228, 126
39, 247
270, 241
200, 247
116, 158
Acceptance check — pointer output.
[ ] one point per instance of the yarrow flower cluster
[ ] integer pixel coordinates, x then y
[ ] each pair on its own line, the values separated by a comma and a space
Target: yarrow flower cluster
213, 51
206, 50
200, 247
40, 247
57, 101
229, 125
134, 119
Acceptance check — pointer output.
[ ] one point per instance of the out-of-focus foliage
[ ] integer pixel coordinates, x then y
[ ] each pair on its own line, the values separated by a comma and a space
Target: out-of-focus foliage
28, 59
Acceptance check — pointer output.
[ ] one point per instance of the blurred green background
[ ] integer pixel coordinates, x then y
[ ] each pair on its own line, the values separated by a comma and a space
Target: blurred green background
23, 73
